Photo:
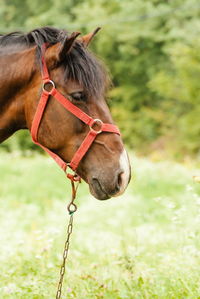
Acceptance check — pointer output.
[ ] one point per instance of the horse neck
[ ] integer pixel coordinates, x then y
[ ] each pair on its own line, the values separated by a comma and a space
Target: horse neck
16, 73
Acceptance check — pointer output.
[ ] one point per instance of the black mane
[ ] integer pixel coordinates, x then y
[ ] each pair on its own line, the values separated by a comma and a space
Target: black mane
80, 64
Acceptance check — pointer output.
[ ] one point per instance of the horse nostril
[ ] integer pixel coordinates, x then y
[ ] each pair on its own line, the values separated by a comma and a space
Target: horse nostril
120, 178
119, 181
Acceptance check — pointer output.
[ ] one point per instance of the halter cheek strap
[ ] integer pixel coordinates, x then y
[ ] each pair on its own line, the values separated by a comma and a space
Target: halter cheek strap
96, 125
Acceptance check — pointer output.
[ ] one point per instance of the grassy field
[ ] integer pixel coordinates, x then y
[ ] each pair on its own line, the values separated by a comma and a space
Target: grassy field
145, 244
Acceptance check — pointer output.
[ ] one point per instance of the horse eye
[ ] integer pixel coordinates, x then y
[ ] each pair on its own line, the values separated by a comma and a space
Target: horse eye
78, 96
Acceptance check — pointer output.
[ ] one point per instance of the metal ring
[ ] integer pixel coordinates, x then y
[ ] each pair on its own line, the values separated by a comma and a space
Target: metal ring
72, 208
98, 122
48, 82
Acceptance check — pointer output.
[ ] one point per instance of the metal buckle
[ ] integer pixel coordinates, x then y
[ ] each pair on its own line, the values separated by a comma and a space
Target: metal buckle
97, 122
52, 87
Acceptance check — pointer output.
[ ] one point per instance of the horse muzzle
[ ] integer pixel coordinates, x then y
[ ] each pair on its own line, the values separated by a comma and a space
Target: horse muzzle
111, 183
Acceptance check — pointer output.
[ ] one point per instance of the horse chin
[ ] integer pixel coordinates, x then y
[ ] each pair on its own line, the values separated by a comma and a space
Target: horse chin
97, 191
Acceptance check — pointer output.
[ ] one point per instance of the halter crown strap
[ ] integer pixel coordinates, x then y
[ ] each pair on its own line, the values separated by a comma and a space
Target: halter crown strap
88, 120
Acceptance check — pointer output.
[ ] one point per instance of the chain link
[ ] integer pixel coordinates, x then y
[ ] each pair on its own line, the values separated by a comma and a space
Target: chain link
71, 209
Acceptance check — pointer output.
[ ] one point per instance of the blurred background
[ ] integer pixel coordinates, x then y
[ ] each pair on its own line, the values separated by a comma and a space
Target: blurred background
145, 244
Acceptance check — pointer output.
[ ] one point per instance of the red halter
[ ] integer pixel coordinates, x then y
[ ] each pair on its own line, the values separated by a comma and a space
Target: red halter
90, 137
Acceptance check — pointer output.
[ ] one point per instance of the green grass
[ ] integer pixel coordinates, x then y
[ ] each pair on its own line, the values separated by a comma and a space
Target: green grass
145, 244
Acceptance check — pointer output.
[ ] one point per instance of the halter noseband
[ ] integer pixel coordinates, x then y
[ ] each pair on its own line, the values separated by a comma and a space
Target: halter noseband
91, 122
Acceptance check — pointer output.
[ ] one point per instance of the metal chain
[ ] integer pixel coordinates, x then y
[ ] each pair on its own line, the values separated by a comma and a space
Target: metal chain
65, 255
71, 209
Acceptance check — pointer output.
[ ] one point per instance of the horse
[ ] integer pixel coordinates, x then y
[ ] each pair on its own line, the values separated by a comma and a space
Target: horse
81, 81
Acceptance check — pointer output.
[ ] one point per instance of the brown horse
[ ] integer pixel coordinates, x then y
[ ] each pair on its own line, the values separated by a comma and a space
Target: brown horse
80, 77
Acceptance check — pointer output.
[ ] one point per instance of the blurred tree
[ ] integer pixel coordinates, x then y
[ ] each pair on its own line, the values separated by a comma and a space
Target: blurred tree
143, 43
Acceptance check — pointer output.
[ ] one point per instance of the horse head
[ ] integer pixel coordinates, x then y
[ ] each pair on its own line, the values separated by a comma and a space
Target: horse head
82, 79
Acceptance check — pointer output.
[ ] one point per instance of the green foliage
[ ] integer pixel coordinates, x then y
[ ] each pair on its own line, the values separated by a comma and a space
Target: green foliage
183, 94
143, 245
20, 141
152, 50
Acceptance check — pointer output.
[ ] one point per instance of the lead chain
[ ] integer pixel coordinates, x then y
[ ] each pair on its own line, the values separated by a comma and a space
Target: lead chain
71, 209
65, 255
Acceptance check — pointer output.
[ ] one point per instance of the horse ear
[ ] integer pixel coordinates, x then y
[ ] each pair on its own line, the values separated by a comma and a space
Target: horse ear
67, 45
86, 39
